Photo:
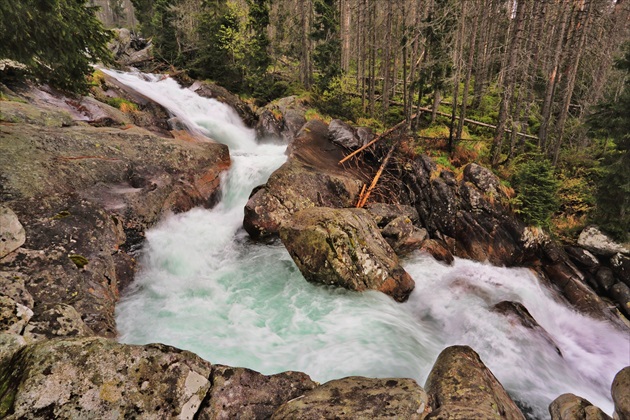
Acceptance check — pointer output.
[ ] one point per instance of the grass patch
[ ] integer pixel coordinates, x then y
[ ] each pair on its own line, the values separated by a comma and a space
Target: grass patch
123, 104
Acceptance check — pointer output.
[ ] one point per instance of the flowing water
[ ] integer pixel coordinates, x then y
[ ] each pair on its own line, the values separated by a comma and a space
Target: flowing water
205, 287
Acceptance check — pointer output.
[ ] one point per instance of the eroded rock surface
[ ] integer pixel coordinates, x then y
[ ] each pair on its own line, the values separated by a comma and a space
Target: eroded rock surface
572, 407
343, 247
12, 234
98, 378
244, 393
310, 178
359, 398
460, 386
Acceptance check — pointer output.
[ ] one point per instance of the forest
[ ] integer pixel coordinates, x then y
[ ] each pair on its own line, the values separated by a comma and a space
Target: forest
538, 90
530, 87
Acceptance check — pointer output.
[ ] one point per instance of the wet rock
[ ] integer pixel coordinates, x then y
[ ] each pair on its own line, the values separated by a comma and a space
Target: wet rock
517, 312
621, 394
403, 236
599, 243
244, 393
86, 195
293, 121
268, 126
343, 135
13, 316
343, 247
605, 279
213, 91
12, 233
358, 397
383, 213
61, 320
98, 378
460, 386
572, 407
311, 177
621, 266
438, 250
620, 294
583, 258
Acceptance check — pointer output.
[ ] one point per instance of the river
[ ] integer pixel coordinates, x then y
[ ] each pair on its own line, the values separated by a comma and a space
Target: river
205, 287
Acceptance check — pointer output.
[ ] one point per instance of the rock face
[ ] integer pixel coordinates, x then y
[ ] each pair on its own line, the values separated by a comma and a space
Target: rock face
342, 247
621, 394
310, 178
599, 243
85, 196
12, 234
572, 407
244, 393
98, 378
359, 398
460, 386
210, 90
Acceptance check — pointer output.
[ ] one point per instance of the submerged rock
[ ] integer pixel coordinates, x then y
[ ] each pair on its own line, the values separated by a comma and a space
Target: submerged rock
460, 386
244, 393
359, 398
572, 407
519, 313
98, 378
343, 247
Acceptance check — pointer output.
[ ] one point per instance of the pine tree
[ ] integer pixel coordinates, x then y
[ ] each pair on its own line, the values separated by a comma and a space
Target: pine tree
537, 189
613, 195
327, 54
56, 39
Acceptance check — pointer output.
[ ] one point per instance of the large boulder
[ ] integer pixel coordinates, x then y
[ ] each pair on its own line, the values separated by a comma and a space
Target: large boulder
213, 91
98, 378
343, 247
572, 407
344, 135
244, 393
596, 241
359, 398
310, 178
621, 394
12, 234
460, 386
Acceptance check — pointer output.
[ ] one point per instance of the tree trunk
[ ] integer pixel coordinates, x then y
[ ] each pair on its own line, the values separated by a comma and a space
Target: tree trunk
469, 66
508, 87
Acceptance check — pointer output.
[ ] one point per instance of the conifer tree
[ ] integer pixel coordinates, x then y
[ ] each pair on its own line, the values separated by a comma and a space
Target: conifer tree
56, 39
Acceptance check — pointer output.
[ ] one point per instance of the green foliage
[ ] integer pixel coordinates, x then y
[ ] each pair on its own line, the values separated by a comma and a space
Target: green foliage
327, 53
122, 104
612, 120
56, 39
336, 102
537, 191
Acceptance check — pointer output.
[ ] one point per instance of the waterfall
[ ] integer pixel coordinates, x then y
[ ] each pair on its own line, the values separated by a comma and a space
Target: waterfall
205, 287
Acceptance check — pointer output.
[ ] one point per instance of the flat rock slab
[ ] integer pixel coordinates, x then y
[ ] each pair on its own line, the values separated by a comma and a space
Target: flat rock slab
359, 398
343, 247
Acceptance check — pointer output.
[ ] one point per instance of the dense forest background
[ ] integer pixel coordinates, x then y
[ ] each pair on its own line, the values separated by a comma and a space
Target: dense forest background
539, 90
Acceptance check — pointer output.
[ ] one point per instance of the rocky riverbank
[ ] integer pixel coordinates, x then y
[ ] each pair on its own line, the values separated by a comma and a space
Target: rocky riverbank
81, 181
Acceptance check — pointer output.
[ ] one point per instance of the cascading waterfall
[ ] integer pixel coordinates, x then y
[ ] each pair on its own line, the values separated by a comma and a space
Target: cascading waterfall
205, 287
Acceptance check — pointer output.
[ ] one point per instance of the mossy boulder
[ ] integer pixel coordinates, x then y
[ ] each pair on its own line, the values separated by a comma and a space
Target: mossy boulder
311, 177
460, 386
343, 247
359, 398
621, 393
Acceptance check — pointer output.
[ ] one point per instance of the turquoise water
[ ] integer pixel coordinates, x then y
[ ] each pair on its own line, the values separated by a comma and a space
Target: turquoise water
205, 287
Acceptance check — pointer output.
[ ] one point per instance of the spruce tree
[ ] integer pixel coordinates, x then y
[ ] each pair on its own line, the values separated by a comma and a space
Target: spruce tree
537, 189
612, 119
56, 39
327, 54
